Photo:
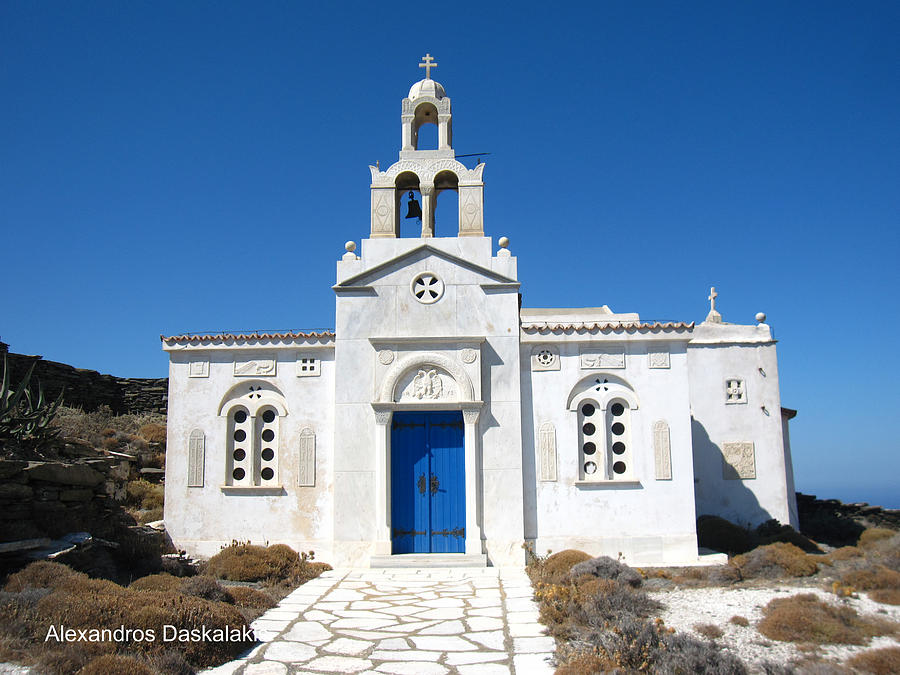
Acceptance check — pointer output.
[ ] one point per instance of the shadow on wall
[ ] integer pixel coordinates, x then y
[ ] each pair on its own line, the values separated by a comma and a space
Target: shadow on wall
716, 495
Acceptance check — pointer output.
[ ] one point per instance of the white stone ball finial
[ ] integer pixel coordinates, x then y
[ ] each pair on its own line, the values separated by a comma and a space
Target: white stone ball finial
503, 241
760, 317
350, 246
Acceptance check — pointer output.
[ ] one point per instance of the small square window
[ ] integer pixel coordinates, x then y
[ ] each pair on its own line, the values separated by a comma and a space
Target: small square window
308, 366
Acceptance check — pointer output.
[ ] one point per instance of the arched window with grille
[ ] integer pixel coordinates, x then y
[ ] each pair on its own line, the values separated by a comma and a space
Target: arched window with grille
253, 413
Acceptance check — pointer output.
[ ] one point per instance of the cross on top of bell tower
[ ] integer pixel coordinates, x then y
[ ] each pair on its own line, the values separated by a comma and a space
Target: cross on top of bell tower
428, 65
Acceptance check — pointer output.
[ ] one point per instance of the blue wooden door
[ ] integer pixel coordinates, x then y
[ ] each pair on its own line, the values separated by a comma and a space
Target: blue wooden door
428, 494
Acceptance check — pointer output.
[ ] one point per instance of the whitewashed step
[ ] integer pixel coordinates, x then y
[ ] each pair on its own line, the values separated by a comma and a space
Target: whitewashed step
428, 560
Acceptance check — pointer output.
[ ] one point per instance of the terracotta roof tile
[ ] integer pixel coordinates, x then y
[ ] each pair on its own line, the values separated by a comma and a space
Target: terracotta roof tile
226, 337
604, 326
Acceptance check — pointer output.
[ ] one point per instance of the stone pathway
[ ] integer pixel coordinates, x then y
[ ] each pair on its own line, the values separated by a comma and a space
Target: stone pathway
404, 622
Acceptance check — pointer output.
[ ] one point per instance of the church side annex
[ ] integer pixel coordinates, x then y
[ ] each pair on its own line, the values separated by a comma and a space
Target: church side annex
441, 419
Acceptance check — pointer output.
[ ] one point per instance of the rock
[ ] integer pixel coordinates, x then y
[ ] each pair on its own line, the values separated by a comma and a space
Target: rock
10, 467
153, 475
23, 545
76, 495
15, 491
65, 474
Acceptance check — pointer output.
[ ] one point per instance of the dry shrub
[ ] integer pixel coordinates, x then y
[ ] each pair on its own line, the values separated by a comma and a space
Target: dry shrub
206, 588
144, 494
739, 620
250, 598
845, 553
47, 594
556, 567
585, 664
805, 618
774, 561
605, 567
153, 433
872, 577
718, 534
713, 575
156, 582
886, 596
115, 664
245, 562
772, 531
708, 630
874, 534
884, 661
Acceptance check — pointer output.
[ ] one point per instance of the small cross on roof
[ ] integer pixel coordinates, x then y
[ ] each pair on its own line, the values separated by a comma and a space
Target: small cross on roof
428, 65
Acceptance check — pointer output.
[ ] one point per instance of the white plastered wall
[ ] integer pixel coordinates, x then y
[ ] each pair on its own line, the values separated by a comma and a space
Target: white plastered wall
647, 521
201, 520
719, 352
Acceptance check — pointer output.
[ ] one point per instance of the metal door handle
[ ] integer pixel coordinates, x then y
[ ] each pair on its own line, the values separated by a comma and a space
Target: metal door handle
435, 484
421, 484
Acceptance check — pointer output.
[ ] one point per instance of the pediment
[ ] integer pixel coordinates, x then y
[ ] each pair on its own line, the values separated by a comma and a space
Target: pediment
479, 274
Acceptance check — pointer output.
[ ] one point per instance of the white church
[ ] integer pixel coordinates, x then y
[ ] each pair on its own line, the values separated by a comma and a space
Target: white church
444, 423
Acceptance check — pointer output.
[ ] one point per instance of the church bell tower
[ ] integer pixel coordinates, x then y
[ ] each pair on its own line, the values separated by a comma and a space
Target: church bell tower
428, 172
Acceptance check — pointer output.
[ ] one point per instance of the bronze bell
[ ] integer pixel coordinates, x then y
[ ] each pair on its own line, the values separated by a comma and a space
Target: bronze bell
413, 209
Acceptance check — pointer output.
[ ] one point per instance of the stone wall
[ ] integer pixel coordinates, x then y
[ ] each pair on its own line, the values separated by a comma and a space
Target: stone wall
811, 510
88, 389
50, 499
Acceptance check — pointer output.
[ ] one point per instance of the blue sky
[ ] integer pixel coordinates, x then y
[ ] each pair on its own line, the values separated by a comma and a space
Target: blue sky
169, 167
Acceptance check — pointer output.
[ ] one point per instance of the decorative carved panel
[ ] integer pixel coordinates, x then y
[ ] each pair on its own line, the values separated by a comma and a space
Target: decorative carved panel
385, 357
547, 445
198, 368
196, 458
306, 471
383, 210
545, 357
735, 390
258, 367
429, 385
658, 359
738, 461
468, 355
611, 357
662, 451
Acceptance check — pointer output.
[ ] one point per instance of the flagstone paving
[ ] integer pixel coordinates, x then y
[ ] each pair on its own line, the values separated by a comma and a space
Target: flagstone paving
404, 622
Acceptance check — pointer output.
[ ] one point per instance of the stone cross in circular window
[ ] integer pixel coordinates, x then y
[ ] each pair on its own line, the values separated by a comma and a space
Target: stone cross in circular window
427, 287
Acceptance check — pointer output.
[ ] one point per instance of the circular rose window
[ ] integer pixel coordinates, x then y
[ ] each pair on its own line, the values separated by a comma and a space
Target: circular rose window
427, 288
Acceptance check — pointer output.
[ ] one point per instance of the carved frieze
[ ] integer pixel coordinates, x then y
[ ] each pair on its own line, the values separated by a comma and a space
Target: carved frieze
306, 471
429, 385
547, 446
256, 367
196, 458
198, 368
738, 461
662, 451
610, 357
658, 359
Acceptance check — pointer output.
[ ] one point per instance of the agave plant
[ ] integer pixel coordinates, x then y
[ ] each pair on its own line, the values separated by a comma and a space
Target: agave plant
25, 416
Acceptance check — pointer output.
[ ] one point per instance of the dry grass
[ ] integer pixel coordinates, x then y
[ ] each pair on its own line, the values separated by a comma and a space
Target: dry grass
46, 594
774, 561
250, 598
884, 661
153, 433
585, 664
739, 620
702, 577
245, 562
872, 577
804, 618
708, 630
842, 554
555, 568
156, 582
874, 534
144, 494
115, 664
886, 596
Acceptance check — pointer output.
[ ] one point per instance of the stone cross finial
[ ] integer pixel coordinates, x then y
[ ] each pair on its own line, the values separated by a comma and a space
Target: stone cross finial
713, 316
428, 65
